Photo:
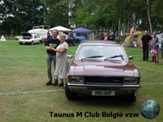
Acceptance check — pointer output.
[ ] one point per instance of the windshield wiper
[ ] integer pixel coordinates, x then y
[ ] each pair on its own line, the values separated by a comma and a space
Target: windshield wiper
115, 56
96, 56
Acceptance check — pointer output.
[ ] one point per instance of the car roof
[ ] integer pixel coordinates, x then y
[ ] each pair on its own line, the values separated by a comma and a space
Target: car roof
97, 42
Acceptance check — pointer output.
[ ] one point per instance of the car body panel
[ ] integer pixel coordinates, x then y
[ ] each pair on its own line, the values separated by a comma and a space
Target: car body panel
81, 38
109, 68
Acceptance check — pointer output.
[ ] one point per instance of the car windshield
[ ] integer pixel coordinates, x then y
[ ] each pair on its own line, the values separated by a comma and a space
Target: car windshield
107, 52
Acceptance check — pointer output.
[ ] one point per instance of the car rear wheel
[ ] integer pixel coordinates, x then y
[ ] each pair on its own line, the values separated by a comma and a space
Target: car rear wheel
20, 43
40, 42
69, 94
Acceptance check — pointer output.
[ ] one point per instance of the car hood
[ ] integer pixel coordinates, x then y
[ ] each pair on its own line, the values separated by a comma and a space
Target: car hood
103, 68
26, 34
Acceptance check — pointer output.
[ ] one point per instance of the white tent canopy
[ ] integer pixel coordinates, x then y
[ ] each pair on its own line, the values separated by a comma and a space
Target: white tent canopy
38, 31
61, 29
2, 38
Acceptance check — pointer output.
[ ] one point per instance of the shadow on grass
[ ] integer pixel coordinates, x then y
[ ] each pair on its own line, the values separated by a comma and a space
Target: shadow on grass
117, 101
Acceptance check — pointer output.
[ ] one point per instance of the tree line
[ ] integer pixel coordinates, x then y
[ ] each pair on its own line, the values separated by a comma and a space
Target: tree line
99, 15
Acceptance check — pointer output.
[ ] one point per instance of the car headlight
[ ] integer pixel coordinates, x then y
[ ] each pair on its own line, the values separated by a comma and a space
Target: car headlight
76, 79
132, 80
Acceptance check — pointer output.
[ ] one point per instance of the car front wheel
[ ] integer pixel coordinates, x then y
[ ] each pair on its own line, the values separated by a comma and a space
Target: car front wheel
32, 43
131, 97
69, 94
40, 42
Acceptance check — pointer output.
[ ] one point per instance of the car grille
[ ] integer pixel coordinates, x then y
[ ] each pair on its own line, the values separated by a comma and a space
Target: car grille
103, 80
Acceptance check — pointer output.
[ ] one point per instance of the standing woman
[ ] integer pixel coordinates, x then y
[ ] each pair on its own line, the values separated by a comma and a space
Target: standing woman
61, 69
105, 37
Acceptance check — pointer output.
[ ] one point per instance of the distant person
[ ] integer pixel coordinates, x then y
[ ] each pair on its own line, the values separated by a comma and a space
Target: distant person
161, 48
154, 41
154, 54
105, 37
61, 61
48, 34
145, 45
132, 29
50, 44
111, 36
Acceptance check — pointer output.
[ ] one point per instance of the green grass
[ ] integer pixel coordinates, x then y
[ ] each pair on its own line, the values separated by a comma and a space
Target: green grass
23, 75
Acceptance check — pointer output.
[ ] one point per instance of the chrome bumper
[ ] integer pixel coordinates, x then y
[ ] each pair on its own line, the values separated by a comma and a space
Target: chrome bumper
87, 88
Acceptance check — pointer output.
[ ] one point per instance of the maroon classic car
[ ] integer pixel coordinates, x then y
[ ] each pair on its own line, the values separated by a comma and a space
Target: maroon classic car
102, 68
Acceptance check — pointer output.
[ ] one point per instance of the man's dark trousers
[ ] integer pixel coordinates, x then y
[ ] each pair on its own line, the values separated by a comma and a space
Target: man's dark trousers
145, 52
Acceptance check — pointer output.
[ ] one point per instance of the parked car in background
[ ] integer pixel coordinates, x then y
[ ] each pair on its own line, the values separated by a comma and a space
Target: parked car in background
41, 31
102, 68
72, 41
28, 38
81, 38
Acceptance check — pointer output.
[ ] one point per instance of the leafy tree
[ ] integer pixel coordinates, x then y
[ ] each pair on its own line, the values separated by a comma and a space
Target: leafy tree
157, 10
57, 12
22, 15
104, 15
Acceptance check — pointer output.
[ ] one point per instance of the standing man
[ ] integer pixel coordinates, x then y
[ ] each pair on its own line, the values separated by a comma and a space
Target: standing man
154, 42
111, 36
145, 43
50, 44
161, 48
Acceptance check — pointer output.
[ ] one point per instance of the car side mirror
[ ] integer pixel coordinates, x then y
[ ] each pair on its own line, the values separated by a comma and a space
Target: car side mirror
130, 57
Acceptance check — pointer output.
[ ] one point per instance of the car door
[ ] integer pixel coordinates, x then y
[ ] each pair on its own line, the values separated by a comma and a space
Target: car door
36, 38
